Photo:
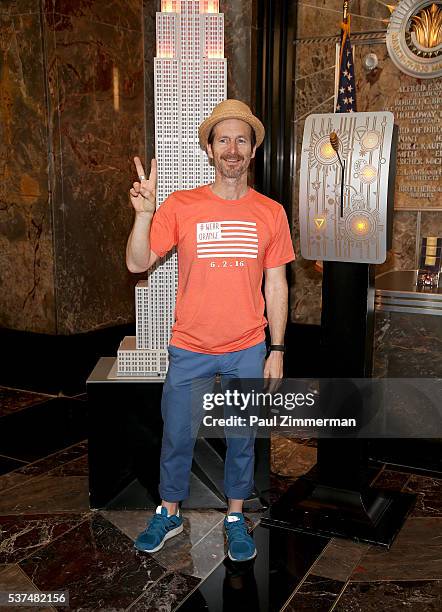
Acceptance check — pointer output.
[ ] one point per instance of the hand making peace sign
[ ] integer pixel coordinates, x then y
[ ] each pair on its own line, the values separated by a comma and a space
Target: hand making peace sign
143, 193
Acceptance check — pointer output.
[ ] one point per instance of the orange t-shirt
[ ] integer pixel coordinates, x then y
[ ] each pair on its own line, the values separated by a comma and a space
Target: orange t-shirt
223, 247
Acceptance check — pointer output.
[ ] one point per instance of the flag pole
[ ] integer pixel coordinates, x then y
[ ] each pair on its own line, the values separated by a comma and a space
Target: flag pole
345, 28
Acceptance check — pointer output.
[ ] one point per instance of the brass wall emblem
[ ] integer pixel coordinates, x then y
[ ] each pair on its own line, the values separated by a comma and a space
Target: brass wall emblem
414, 38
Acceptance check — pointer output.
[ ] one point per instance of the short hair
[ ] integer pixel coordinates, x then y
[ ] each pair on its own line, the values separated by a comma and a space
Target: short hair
211, 137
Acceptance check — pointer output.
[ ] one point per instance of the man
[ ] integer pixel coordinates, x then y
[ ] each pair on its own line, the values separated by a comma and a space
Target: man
226, 236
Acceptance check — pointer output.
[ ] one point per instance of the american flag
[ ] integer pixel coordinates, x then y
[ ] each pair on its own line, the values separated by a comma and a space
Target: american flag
346, 98
227, 239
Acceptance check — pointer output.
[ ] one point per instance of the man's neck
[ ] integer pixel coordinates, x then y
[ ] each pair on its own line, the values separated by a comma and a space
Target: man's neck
230, 189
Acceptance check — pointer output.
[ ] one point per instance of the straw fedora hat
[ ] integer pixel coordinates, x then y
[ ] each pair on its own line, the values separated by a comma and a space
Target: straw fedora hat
230, 109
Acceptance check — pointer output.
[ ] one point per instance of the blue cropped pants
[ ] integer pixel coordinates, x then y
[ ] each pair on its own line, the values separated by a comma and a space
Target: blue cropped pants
177, 412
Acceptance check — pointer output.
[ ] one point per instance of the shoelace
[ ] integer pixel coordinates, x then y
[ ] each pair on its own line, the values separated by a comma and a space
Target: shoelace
237, 530
158, 523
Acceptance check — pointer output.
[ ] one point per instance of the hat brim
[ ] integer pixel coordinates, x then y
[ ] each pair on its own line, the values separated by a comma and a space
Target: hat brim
207, 125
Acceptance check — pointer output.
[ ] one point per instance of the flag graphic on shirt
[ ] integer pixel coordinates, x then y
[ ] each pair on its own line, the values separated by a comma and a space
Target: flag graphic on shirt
226, 239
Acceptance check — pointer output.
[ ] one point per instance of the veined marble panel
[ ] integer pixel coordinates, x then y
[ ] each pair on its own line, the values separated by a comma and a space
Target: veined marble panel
14, 580
64, 489
289, 458
23, 536
96, 85
97, 564
125, 14
422, 595
414, 555
19, 7
26, 252
237, 45
323, 18
431, 224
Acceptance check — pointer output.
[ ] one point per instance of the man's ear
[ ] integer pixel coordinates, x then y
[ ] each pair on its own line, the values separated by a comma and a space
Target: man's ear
209, 151
253, 152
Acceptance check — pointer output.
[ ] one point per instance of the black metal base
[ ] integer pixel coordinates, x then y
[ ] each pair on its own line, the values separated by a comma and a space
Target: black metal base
370, 515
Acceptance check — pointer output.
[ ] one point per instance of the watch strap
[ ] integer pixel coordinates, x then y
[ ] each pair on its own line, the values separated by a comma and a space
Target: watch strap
277, 347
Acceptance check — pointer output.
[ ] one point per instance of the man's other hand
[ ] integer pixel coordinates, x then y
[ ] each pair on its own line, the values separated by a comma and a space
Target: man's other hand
273, 371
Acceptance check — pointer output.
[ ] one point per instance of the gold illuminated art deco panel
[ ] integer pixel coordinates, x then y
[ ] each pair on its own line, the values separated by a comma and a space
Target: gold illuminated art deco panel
357, 231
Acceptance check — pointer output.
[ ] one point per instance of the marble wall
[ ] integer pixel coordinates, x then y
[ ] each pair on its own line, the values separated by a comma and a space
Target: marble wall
396, 337
26, 240
73, 115
76, 105
96, 112
318, 28
239, 20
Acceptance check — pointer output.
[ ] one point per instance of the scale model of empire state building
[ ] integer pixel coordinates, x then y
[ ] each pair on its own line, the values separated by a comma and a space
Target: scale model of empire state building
190, 80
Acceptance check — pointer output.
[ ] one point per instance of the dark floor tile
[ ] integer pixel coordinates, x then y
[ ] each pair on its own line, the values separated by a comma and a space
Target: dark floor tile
65, 489
315, 593
61, 457
429, 495
166, 593
416, 596
339, 559
12, 400
414, 555
292, 555
261, 585
14, 580
22, 536
43, 429
233, 586
196, 551
26, 471
97, 564
388, 479
8, 465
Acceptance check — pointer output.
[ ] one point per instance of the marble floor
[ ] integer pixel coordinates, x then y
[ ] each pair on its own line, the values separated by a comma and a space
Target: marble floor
50, 539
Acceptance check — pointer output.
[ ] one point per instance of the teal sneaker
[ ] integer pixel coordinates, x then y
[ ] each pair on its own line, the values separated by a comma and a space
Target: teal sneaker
159, 529
241, 546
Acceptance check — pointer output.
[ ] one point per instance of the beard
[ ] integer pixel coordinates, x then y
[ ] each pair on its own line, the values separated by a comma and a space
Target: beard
232, 171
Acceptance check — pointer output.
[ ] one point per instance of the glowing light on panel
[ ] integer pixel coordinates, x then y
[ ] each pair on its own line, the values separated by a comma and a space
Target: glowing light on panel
327, 151
319, 222
360, 226
368, 174
370, 140
324, 152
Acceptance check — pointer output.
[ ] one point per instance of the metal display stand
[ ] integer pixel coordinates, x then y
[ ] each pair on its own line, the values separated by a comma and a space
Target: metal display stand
345, 220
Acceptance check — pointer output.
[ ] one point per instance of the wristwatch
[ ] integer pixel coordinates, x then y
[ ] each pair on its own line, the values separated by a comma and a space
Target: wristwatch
277, 347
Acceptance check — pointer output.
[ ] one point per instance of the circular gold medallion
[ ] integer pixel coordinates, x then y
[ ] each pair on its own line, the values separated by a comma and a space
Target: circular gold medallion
414, 38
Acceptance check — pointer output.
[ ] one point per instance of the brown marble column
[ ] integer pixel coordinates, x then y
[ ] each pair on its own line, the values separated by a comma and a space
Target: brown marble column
27, 291
73, 107
95, 78
238, 19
